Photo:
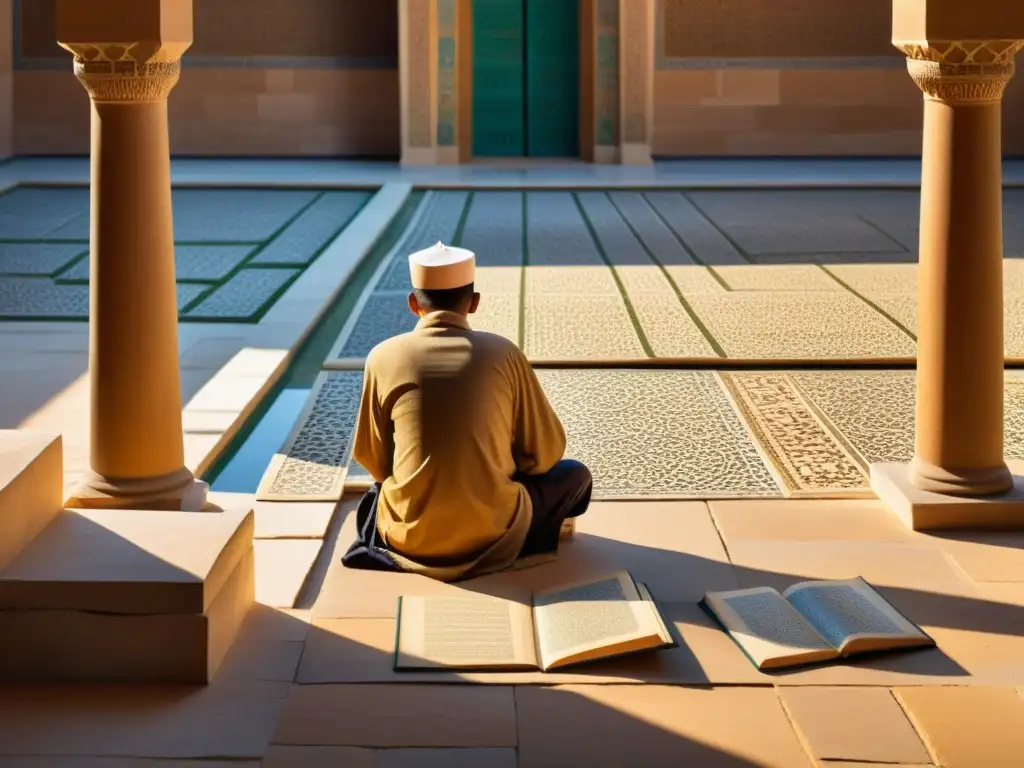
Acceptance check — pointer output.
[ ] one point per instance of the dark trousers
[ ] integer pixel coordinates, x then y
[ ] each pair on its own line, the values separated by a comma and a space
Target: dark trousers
558, 494
562, 492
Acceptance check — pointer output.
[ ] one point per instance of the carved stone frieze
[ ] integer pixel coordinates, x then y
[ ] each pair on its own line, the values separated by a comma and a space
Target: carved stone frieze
126, 72
960, 71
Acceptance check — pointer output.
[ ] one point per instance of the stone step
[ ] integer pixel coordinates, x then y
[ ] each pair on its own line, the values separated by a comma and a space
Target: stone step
127, 596
31, 488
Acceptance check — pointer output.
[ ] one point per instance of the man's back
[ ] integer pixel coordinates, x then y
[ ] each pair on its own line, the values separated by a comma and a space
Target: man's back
448, 416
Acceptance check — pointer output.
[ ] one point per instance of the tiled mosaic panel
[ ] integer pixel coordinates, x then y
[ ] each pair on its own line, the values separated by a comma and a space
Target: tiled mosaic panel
659, 239
37, 258
41, 297
579, 328
24, 297
850, 401
571, 281
799, 325
619, 243
210, 263
383, 316
37, 212
313, 229
218, 215
557, 235
244, 295
319, 450
494, 229
705, 242
497, 314
804, 451
657, 433
439, 222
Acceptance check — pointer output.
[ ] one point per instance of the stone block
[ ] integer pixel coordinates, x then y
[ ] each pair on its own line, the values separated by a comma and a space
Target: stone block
127, 596
31, 488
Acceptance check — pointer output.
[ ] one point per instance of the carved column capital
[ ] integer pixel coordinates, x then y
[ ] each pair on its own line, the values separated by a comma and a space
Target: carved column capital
125, 72
961, 71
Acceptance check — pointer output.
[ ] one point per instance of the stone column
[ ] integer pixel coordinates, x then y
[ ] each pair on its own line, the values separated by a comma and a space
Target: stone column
418, 70
128, 57
636, 80
6, 79
959, 439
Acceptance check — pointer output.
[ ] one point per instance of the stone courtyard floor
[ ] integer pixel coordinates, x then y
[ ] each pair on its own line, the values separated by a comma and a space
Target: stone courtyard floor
726, 356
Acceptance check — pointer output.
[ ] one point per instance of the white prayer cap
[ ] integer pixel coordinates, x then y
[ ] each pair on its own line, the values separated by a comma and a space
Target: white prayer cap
441, 267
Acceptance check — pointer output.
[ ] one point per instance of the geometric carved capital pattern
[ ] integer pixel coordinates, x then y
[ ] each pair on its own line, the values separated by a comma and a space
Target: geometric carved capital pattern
126, 72
961, 71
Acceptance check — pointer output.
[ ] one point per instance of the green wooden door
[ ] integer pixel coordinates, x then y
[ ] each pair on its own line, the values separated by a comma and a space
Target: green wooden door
552, 78
498, 82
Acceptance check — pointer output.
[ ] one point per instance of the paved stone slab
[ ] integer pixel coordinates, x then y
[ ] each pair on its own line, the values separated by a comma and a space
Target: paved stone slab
619, 243
705, 242
579, 327
836, 234
227, 719
661, 241
315, 227
498, 314
670, 329
968, 727
805, 452
557, 235
613, 725
849, 400
801, 520
191, 262
439, 222
311, 465
657, 433
494, 229
431, 716
764, 325
777, 277
39, 212
317, 757
244, 295
37, 258
595, 280
645, 279
282, 567
383, 316
854, 724
494, 757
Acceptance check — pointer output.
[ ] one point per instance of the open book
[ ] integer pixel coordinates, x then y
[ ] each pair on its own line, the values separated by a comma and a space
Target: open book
559, 627
812, 621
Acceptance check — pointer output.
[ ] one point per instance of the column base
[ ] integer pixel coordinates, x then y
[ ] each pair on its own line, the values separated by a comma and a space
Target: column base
178, 491
924, 510
971, 482
635, 154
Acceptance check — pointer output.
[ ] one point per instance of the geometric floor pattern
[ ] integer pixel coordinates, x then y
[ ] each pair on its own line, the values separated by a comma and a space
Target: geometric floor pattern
675, 434
236, 250
629, 275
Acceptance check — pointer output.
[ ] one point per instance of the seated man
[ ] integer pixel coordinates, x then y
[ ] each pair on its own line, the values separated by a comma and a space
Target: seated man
461, 440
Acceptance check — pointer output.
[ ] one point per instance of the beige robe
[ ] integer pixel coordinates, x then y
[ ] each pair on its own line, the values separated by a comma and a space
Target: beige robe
448, 415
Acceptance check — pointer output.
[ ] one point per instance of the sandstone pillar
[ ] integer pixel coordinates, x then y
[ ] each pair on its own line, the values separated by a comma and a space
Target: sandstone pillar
636, 81
418, 71
962, 60
128, 57
6, 79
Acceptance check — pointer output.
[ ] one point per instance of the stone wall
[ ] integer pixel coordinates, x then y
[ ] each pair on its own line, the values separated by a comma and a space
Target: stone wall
263, 77
789, 77
6, 79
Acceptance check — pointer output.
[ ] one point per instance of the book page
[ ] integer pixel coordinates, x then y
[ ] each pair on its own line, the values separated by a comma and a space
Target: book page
464, 633
589, 615
766, 626
842, 611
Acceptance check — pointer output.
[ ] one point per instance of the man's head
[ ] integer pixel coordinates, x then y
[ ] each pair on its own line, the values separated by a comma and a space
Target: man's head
463, 300
442, 280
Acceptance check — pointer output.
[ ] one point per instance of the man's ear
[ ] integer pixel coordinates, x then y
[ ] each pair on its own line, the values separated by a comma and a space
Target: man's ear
414, 305
474, 303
